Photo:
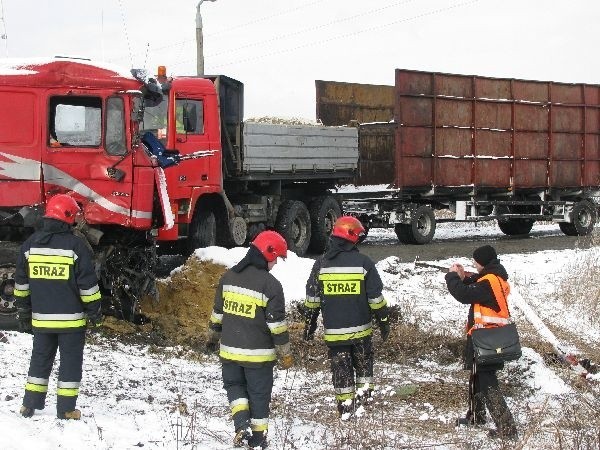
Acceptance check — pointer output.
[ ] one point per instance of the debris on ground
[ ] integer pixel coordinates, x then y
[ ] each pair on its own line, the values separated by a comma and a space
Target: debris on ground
186, 300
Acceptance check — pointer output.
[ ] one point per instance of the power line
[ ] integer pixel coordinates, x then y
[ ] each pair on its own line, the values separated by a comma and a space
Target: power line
226, 30
126, 32
316, 27
347, 35
3, 34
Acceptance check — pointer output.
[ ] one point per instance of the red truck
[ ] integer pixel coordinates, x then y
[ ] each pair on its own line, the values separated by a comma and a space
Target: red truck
510, 150
158, 163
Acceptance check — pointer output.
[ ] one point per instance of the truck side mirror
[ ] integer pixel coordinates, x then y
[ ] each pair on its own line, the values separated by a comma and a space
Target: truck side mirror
189, 117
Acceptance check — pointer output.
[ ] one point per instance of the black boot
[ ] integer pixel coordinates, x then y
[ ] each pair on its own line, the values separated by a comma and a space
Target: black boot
471, 419
242, 436
26, 412
508, 433
345, 408
258, 441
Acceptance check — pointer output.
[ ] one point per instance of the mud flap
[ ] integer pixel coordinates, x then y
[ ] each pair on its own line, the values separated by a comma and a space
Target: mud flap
163, 195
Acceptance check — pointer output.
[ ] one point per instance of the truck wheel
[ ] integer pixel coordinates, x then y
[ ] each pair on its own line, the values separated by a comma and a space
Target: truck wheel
583, 218
293, 223
239, 231
8, 310
203, 230
514, 227
324, 211
421, 228
404, 233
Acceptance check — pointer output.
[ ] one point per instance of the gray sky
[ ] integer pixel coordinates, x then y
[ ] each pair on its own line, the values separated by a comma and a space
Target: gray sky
278, 48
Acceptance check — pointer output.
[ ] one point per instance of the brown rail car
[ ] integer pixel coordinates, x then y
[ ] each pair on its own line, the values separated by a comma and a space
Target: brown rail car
486, 148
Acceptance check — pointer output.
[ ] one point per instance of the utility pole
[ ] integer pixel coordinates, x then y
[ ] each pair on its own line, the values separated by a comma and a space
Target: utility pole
200, 40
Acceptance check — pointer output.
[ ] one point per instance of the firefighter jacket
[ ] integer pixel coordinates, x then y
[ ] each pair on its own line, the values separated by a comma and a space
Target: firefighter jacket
485, 292
55, 280
249, 313
346, 287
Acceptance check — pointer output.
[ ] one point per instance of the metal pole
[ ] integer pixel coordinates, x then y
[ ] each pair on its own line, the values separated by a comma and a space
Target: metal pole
200, 40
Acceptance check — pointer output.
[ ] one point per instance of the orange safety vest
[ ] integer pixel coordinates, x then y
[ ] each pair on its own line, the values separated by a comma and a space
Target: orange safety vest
485, 317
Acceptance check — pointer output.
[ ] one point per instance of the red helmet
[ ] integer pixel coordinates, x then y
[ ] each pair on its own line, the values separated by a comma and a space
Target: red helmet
271, 244
349, 228
62, 207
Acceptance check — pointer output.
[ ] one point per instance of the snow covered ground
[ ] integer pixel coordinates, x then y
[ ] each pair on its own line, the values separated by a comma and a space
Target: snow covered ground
137, 396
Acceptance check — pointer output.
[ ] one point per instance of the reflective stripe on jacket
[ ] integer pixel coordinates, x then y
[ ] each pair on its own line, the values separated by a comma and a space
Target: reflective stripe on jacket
345, 286
484, 317
55, 279
249, 312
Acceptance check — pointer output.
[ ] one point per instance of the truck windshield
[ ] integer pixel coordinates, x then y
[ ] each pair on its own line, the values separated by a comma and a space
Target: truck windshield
155, 118
75, 121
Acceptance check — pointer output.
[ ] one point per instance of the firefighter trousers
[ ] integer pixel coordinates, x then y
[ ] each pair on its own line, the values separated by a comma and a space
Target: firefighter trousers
346, 360
486, 392
249, 394
45, 345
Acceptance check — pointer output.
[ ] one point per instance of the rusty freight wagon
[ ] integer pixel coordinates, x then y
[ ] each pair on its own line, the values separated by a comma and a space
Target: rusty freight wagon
510, 150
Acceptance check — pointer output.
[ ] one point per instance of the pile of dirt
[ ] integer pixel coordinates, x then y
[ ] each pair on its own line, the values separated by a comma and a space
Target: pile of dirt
186, 301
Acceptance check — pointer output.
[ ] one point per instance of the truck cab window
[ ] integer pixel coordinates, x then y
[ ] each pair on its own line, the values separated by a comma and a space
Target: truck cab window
115, 126
75, 122
189, 116
155, 118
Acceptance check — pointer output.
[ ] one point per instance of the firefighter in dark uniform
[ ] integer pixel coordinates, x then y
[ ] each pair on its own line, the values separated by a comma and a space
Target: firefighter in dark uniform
486, 292
345, 286
57, 296
249, 319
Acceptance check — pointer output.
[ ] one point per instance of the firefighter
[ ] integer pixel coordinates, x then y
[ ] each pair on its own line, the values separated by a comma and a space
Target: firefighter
486, 289
345, 286
57, 297
249, 319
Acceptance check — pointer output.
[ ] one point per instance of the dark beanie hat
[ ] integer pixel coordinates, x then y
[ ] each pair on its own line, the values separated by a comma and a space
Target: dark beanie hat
485, 255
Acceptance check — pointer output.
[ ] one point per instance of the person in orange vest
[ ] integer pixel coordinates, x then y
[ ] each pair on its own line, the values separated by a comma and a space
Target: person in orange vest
486, 292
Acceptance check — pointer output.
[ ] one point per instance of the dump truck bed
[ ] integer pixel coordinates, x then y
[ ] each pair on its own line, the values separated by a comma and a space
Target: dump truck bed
299, 149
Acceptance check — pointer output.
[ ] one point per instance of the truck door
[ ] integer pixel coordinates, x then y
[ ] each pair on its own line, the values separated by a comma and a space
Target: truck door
87, 153
20, 166
191, 135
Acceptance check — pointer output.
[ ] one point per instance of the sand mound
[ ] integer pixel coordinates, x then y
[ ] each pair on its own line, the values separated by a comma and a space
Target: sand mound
186, 300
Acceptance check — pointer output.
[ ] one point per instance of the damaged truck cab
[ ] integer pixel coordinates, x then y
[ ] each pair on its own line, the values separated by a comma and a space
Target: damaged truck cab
159, 163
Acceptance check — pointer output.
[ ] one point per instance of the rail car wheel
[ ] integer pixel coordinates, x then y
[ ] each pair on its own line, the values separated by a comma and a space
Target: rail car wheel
293, 223
404, 233
515, 227
583, 219
324, 211
203, 230
421, 228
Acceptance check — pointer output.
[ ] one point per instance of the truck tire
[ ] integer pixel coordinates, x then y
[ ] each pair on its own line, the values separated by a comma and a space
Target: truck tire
203, 230
8, 309
421, 228
324, 211
515, 227
293, 223
583, 216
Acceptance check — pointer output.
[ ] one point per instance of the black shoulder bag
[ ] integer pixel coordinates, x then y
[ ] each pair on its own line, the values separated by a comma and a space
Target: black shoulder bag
496, 344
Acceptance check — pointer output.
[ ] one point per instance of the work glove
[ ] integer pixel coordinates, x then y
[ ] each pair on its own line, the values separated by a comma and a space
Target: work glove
284, 355
211, 347
94, 320
384, 327
212, 341
24, 318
